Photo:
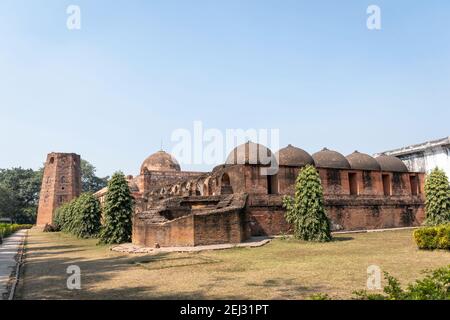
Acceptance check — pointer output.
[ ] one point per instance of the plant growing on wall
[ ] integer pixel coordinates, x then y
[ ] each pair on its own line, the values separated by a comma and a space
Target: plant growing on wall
437, 192
306, 210
59, 218
80, 217
88, 216
69, 217
117, 210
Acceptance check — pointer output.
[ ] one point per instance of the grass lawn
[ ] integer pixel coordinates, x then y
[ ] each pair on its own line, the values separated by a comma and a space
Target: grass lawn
283, 269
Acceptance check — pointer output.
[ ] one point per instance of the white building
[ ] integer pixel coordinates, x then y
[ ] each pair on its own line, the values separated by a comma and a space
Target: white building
426, 156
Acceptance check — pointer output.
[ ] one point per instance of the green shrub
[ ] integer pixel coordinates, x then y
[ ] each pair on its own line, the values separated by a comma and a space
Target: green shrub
320, 296
69, 217
118, 211
87, 216
58, 218
434, 286
437, 192
8, 229
306, 211
80, 217
430, 238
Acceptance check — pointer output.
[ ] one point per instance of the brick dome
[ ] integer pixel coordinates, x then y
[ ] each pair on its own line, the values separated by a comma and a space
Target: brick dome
294, 157
160, 161
251, 153
390, 163
330, 159
362, 161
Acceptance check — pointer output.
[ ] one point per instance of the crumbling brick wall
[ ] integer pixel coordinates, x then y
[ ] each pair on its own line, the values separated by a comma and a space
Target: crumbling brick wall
61, 183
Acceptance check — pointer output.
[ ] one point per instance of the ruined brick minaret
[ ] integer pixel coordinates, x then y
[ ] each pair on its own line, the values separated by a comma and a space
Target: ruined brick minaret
60, 184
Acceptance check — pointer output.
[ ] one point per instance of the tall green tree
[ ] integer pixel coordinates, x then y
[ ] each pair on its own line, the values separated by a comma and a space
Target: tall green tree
89, 180
23, 186
87, 216
8, 204
306, 210
437, 193
117, 211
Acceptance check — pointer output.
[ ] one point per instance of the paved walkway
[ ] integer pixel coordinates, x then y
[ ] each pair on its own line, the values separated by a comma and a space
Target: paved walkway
131, 248
8, 252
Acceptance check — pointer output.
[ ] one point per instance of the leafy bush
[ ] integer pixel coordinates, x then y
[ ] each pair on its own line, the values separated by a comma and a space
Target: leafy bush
87, 216
320, 296
69, 217
306, 210
8, 229
431, 238
80, 217
118, 210
434, 286
59, 217
437, 192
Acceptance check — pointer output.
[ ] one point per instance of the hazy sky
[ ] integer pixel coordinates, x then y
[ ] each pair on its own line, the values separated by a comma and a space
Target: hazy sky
138, 70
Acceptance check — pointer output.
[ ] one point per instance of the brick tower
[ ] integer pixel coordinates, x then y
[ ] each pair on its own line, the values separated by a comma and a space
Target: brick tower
60, 184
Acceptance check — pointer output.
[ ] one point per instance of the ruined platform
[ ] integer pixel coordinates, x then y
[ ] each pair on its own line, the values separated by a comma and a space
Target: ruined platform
135, 249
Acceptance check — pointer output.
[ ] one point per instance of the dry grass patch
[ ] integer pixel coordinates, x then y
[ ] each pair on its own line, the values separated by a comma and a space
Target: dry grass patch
283, 269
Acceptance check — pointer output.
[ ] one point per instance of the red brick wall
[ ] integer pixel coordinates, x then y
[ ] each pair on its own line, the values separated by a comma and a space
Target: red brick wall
286, 179
216, 228
266, 216
179, 232
362, 217
200, 229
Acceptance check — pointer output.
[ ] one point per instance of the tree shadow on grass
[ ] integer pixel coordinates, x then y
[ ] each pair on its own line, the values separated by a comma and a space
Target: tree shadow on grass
341, 239
56, 247
287, 288
151, 293
44, 276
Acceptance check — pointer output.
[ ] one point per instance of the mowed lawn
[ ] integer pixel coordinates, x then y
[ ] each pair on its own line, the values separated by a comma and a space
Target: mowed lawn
283, 269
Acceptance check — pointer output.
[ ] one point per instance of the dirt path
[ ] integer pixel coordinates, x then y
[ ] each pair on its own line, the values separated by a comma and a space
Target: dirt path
8, 252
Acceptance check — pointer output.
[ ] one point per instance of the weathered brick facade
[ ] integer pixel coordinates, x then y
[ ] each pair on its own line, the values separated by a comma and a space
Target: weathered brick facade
192, 221
238, 200
60, 184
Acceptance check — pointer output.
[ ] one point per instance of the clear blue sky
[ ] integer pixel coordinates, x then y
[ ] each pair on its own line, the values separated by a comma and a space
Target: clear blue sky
137, 70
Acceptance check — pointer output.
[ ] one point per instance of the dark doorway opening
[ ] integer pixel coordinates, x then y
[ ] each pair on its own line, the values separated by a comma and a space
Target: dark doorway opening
387, 185
353, 183
414, 185
272, 184
226, 184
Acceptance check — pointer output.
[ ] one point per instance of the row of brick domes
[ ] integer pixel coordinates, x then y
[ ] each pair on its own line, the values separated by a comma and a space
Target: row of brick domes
252, 153
295, 157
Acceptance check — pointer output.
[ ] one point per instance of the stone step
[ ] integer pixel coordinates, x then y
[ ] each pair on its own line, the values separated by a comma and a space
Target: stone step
225, 202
